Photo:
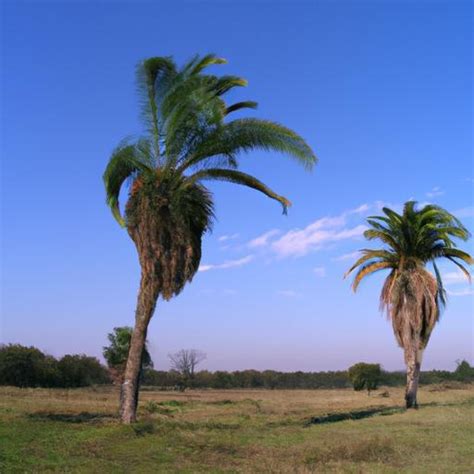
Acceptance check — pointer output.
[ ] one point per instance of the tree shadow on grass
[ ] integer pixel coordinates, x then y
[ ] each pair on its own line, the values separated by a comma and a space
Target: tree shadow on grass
354, 415
375, 411
83, 417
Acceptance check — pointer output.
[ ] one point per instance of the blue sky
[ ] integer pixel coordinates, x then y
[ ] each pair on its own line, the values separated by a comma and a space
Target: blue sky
381, 91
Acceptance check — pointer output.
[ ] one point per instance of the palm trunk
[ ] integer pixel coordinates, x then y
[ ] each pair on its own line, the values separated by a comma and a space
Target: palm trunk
129, 391
413, 362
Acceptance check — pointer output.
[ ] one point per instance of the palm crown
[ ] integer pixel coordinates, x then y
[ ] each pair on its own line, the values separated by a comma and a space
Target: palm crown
189, 138
412, 240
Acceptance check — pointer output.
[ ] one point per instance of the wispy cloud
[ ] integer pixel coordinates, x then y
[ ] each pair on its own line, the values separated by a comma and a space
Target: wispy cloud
289, 293
323, 231
452, 278
465, 292
262, 240
225, 238
436, 191
319, 271
228, 264
347, 256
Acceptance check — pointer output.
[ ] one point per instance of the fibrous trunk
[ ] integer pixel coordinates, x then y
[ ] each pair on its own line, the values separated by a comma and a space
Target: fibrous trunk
411, 296
130, 386
166, 224
413, 363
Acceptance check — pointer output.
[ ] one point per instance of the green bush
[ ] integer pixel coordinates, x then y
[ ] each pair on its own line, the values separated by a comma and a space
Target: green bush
366, 376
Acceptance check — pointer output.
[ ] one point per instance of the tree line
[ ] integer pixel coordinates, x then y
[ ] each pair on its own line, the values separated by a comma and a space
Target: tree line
29, 367
22, 366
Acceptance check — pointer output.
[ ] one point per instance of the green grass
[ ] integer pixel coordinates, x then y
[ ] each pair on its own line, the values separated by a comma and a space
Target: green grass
237, 431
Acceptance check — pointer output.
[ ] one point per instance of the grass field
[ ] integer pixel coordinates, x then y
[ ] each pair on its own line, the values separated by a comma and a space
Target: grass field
259, 431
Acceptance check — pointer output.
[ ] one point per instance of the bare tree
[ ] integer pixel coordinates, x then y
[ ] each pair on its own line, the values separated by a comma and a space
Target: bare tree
185, 362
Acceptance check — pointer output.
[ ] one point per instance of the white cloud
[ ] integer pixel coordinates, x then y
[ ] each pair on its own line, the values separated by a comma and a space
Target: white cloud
321, 232
262, 240
359, 210
347, 256
436, 191
289, 293
228, 264
224, 238
319, 271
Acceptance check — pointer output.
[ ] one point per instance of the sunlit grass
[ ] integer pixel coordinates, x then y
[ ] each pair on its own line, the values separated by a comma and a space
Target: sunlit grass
236, 431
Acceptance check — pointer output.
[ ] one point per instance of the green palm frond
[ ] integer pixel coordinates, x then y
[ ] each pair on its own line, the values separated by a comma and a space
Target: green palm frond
198, 64
244, 135
370, 254
248, 104
384, 236
441, 290
153, 75
226, 83
124, 163
237, 177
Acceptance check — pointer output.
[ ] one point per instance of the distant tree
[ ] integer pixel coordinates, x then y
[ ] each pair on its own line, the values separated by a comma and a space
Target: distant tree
116, 353
185, 362
366, 376
464, 372
79, 370
412, 295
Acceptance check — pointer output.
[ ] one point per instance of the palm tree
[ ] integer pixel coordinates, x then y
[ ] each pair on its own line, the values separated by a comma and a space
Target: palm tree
189, 139
412, 295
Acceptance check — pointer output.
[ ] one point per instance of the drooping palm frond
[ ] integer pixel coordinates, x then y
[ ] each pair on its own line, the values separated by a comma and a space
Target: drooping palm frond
370, 254
237, 177
368, 269
124, 162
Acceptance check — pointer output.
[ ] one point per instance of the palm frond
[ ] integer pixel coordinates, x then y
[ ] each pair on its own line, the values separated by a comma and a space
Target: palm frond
123, 163
461, 267
198, 64
237, 177
367, 270
248, 104
244, 135
153, 74
370, 254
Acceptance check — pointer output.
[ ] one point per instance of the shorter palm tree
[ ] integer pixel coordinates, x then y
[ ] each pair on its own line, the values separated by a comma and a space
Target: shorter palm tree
412, 295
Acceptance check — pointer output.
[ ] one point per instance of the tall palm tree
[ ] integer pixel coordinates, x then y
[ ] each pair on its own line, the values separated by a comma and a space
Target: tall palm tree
189, 139
412, 295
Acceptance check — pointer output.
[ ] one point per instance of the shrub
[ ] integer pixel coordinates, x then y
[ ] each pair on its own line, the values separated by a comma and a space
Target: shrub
366, 376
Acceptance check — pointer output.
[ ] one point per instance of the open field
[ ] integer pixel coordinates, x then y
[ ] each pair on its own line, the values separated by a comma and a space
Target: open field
237, 431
